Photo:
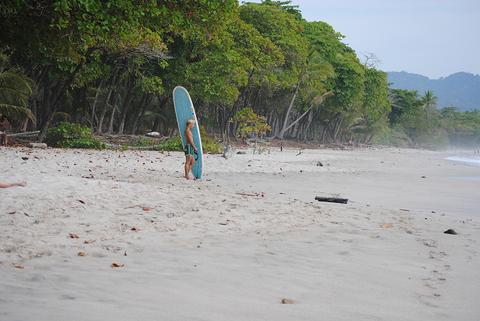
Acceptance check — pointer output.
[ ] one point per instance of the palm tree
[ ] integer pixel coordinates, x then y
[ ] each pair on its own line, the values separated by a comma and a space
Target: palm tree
15, 89
429, 100
315, 73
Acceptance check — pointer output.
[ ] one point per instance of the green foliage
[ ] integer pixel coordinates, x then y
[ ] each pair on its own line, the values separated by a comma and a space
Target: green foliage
209, 144
144, 142
463, 128
375, 106
282, 26
70, 135
249, 123
173, 144
429, 127
115, 62
392, 136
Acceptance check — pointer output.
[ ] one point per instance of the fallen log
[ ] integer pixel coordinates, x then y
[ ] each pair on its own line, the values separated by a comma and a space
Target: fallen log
332, 199
25, 134
37, 145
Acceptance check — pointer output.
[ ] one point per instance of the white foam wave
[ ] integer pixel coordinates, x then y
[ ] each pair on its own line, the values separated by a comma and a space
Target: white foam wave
470, 160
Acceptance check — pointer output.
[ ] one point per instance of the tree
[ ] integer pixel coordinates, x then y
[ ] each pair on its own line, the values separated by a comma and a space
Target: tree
429, 100
250, 124
15, 90
375, 106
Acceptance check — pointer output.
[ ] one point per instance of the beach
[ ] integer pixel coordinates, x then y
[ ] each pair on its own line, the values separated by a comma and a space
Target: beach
120, 235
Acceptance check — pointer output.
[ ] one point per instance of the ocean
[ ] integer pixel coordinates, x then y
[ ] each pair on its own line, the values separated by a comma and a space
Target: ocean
474, 160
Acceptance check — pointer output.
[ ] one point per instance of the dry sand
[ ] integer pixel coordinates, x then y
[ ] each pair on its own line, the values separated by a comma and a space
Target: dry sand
237, 243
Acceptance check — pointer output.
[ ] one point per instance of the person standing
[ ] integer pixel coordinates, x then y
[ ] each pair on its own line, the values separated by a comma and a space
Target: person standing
4, 127
190, 148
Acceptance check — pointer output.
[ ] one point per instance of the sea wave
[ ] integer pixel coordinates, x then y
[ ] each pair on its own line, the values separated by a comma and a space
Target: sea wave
463, 159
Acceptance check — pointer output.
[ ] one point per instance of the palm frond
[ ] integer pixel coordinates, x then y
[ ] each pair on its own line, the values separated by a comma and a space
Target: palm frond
15, 111
14, 79
60, 115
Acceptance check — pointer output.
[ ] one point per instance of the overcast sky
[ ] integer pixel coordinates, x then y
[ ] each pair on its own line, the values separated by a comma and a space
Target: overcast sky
430, 37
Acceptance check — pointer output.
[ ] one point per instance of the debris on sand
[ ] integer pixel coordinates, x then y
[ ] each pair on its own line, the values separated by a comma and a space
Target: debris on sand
261, 194
451, 231
117, 265
37, 145
386, 225
332, 199
153, 134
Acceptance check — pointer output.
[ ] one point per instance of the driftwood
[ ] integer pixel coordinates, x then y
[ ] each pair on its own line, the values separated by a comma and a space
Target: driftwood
38, 145
332, 199
25, 134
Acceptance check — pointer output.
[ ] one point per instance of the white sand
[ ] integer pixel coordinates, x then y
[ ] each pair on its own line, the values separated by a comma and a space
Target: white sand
217, 249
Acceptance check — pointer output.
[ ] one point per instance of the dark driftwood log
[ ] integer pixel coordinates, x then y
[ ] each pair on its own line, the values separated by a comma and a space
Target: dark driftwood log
332, 199
24, 134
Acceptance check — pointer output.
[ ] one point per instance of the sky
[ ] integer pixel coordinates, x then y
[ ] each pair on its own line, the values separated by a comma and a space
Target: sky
434, 38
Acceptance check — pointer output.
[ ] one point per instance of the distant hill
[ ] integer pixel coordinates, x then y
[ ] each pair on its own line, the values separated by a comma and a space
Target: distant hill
461, 90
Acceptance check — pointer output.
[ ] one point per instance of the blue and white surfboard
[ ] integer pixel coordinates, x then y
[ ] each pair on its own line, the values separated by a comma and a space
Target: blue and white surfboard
185, 111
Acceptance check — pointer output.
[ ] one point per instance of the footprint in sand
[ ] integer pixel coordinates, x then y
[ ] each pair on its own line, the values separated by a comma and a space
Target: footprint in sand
426, 300
437, 255
430, 243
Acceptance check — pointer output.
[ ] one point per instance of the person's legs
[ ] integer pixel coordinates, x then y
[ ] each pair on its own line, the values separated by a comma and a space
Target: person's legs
187, 165
7, 185
192, 161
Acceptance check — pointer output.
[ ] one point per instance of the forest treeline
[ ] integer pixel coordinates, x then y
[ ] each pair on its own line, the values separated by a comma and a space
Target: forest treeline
112, 65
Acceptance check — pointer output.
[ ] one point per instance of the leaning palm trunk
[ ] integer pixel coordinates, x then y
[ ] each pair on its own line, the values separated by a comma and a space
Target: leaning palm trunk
287, 115
318, 101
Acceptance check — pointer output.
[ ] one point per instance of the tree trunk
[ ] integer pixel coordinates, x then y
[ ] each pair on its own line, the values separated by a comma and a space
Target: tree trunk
94, 105
287, 115
105, 105
307, 126
126, 105
56, 100
325, 95
138, 119
112, 119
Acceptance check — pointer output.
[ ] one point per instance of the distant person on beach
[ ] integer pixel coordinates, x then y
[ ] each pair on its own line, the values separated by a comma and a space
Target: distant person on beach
4, 127
7, 185
190, 148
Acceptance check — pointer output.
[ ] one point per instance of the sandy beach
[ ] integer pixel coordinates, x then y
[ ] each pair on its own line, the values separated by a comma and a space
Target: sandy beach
235, 244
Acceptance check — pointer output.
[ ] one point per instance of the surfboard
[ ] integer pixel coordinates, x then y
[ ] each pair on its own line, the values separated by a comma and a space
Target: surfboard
184, 111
